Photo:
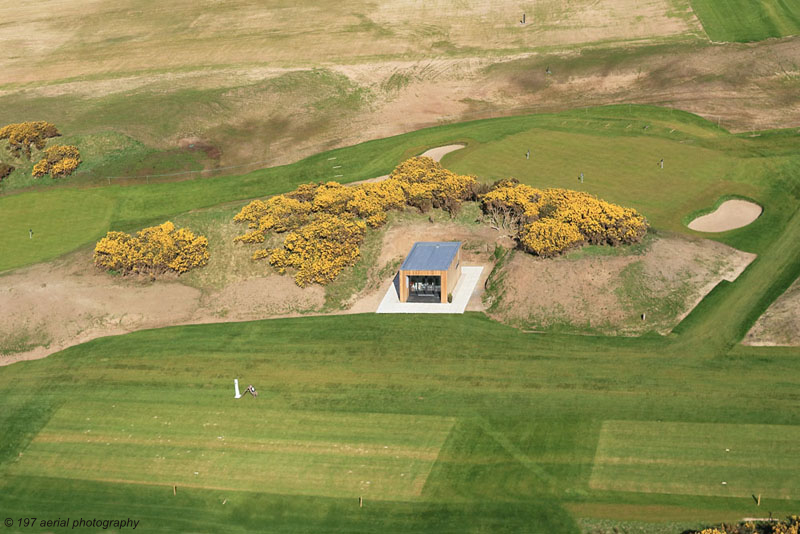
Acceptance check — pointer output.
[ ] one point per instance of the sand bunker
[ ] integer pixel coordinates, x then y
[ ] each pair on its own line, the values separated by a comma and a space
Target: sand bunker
730, 215
435, 153
440, 151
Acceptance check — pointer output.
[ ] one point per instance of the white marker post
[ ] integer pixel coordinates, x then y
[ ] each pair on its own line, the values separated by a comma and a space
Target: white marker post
236, 386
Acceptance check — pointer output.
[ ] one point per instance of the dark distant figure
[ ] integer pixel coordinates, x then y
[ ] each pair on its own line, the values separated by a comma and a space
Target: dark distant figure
547, 70
523, 18
30, 233
528, 154
661, 163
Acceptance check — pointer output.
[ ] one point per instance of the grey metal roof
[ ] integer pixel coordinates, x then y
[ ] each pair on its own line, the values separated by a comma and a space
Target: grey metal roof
431, 256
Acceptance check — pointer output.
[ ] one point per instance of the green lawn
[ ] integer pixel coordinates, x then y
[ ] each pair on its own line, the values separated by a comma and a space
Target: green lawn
618, 168
238, 446
497, 430
748, 20
698, 459
61, 220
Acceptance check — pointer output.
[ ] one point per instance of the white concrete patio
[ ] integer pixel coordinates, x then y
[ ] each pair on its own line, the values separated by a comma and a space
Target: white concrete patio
461, 295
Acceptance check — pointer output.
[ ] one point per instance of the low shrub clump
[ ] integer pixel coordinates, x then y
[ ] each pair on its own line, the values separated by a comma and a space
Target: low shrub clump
427, 184
5, 170
22, 136
326, 223
548, 222
789, 526
154, 250
59, 161
319, 250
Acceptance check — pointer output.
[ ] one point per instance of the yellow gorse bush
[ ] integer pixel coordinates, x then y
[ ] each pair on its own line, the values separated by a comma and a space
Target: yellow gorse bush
791, 525
59, 161
601, 222
22, 135
427, 184
550, 237
326, 223
319, 250
153, 250
280, 213
548, 222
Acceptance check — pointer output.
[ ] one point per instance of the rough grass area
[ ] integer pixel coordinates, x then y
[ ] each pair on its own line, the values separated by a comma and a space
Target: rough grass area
698, 459
199, 34
748, 20
239, 446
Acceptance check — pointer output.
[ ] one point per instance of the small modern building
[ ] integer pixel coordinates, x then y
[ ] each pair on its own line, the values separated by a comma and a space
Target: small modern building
430, 271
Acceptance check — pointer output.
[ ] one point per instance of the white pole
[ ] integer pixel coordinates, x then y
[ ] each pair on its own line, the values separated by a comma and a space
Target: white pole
236, 386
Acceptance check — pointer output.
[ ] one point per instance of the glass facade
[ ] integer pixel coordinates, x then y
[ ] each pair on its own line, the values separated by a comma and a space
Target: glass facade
426, 288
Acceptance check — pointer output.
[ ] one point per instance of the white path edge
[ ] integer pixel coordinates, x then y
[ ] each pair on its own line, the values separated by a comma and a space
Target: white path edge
461, 295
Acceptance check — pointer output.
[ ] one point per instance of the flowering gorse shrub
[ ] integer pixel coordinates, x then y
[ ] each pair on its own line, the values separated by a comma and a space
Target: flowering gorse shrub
427, 184
548, 222
319, 250
58, 161
22, 135
550, 237
791, 525
326, 223
153, 250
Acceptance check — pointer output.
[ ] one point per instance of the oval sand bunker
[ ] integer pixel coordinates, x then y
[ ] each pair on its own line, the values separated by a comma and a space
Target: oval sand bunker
730, 215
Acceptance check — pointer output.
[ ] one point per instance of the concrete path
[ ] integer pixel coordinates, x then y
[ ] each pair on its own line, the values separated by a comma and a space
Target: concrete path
461, 295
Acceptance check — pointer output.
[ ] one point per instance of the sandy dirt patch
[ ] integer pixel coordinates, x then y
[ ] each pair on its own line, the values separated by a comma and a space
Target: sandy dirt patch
780, 324
609, 294
49, 307
730, 215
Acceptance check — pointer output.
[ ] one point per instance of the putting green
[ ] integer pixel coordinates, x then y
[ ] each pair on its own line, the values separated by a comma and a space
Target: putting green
727, 460
621, 169
61, 220
239, 446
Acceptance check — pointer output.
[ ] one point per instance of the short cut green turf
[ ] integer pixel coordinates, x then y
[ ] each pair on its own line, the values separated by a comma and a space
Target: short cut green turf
239, 445
725, 460
748, 20
60, 221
